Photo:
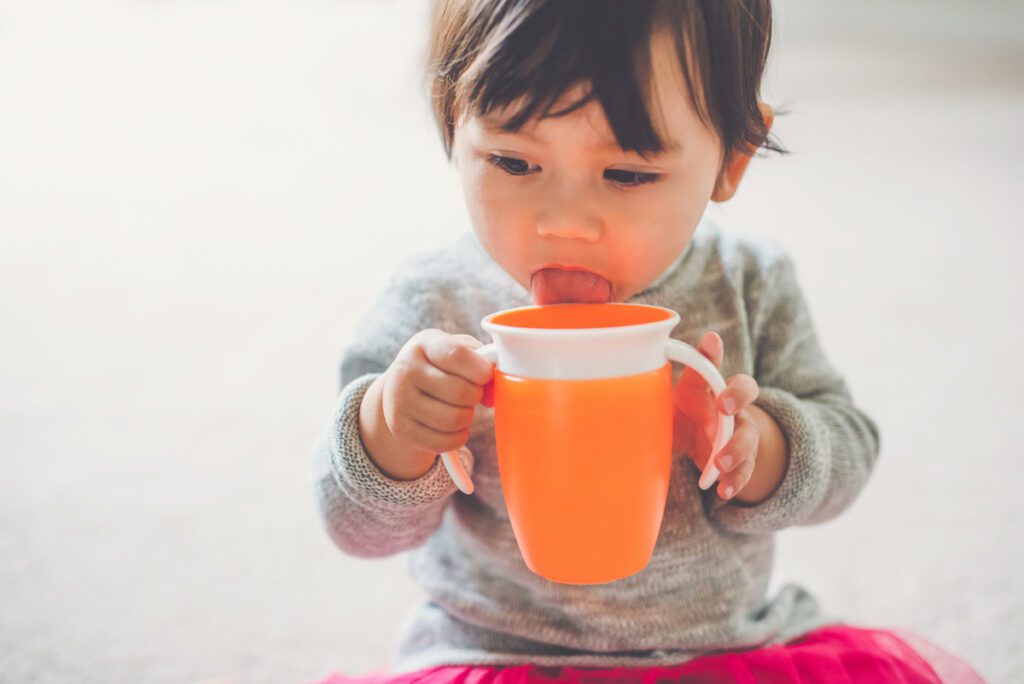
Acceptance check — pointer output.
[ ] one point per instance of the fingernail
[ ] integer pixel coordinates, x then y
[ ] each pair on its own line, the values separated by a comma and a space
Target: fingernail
729, 404
728, 492
724, 462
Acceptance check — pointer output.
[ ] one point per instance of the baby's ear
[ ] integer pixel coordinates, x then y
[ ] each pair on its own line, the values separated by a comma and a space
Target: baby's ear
736, 163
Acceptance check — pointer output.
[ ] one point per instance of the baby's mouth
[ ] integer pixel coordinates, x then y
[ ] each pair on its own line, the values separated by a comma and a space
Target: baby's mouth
561, 286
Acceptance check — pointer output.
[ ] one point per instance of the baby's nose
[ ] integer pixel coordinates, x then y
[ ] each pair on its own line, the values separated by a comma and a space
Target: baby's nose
570, 208
573, 220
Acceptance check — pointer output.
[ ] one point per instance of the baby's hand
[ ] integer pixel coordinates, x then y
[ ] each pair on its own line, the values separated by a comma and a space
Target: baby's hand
431, 390
696, 421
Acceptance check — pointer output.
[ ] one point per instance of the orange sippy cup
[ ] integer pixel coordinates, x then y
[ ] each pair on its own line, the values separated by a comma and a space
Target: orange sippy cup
583, 429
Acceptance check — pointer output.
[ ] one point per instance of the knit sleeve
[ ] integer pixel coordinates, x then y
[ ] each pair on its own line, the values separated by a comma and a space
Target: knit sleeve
832, 444
364, 511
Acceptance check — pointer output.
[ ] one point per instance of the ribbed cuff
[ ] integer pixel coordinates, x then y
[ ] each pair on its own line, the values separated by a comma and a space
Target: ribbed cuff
361, 479
805, 481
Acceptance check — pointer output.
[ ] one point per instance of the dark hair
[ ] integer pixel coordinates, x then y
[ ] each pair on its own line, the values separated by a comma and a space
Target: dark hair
489, 54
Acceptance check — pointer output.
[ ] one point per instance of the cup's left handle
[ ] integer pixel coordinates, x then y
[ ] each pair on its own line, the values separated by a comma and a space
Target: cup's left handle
688, 356
459, 475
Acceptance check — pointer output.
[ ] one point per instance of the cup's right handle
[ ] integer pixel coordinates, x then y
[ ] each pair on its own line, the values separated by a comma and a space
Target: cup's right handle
459, 475
688, 356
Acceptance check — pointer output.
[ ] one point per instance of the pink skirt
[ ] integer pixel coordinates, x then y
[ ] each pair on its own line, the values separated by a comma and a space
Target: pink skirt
834, 654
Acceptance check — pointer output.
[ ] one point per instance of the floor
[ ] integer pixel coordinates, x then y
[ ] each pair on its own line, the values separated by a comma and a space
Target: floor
195, 202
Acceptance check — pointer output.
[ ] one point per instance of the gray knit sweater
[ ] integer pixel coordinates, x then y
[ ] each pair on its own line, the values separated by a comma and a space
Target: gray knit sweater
705, 588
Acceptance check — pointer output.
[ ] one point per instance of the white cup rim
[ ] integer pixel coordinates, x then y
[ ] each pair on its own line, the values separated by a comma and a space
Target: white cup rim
671, 322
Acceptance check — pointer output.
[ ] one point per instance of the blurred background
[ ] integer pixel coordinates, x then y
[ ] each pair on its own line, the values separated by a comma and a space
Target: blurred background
198, 199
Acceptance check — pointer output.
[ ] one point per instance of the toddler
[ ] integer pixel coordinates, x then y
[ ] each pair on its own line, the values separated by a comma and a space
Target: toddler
589, 137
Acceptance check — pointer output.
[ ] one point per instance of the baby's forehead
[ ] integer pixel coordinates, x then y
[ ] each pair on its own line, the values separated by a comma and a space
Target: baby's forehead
576, 104
578, 109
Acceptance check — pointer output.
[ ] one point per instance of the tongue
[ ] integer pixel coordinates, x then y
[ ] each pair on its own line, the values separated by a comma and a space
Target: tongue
558, 286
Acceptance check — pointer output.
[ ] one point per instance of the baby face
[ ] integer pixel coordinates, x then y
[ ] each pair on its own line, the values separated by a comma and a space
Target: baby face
560, 192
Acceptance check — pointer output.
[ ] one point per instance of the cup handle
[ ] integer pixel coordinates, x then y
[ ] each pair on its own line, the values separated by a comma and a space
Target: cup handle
688, 356
450, 460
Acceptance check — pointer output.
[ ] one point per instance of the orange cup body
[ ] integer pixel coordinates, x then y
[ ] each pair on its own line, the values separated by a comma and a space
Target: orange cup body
585, 468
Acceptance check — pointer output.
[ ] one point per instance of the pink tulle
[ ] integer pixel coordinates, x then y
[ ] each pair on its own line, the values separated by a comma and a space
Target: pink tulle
836, 654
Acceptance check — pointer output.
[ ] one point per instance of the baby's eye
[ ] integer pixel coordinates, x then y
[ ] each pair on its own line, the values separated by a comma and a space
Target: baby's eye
627, 178
511, 165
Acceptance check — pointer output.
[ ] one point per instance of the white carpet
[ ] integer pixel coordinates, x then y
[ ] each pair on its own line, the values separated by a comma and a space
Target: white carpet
194, 200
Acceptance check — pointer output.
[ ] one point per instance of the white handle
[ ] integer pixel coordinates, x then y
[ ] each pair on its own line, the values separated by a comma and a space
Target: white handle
459, 475
688, 356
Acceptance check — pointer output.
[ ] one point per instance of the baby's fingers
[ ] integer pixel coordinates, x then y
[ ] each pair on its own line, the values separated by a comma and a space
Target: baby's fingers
454, 354
740, 390
737, 458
